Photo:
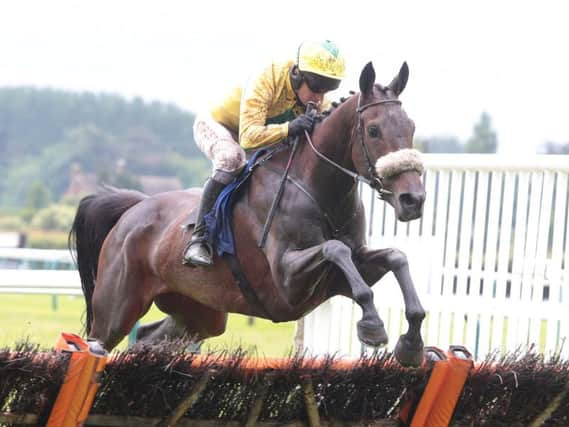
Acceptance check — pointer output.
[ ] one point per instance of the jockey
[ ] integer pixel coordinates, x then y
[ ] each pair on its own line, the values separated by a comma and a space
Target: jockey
269, 109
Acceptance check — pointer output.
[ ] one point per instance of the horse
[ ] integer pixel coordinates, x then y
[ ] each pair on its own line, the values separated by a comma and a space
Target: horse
129, 245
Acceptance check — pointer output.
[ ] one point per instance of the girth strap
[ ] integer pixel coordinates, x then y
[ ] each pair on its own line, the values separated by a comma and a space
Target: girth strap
246, 289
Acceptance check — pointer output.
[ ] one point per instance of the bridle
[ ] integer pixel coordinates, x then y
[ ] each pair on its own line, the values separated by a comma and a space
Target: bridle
375, 182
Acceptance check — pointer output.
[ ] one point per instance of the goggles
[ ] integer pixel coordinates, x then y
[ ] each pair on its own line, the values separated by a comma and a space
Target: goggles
319, 84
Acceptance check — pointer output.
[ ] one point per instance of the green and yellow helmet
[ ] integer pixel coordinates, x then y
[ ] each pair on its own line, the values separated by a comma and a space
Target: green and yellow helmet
321, 58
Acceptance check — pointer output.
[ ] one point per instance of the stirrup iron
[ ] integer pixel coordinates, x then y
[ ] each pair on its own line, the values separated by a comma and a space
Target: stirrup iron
199, 253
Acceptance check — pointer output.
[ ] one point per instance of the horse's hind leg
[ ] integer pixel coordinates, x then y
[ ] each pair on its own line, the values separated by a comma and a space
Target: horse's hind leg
187, 319
121, 297
166, 329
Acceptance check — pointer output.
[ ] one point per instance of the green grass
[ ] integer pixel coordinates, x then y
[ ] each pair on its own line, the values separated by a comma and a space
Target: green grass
33, 317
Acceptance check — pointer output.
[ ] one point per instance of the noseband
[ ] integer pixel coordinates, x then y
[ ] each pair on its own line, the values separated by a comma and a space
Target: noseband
375, 181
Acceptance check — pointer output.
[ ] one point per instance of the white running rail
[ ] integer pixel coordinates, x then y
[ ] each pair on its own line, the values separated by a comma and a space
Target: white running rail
19, 278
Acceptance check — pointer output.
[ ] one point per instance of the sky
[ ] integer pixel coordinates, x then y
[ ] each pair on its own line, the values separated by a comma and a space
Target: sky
507, 58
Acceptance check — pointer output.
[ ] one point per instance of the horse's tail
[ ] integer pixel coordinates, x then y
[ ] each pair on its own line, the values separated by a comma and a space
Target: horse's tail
96, 216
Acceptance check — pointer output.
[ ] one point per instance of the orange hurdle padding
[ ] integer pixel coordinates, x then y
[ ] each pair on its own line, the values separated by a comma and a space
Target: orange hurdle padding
444, 388
255, 365
460, 363
78, 390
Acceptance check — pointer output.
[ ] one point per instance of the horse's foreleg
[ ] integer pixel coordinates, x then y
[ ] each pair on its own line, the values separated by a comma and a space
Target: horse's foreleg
374, 264
297, 266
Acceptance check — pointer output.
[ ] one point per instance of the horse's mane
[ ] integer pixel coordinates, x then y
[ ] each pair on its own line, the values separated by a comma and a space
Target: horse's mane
333, 107
335, 104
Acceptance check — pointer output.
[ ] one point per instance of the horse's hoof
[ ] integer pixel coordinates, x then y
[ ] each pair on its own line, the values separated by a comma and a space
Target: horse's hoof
408, 354
195, 347
96, 347
372, 333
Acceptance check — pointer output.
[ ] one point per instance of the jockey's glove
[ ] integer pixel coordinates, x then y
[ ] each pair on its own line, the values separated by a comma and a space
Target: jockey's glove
302, 123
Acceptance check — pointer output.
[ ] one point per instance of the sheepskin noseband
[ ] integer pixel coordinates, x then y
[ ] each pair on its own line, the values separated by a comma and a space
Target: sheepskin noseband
398, 162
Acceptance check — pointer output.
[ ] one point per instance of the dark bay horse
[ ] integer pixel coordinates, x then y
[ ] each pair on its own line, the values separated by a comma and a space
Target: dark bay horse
129, 246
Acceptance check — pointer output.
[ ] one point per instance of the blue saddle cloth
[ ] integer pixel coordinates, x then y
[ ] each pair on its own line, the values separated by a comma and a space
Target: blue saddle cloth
218, 221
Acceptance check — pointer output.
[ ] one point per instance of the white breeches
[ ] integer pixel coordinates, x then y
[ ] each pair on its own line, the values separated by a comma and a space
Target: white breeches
218, 145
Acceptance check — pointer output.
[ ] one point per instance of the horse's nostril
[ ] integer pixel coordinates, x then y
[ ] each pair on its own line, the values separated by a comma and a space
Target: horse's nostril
411, 199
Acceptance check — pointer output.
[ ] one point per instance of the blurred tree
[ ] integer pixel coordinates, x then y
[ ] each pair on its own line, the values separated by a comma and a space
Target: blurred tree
439, 144
87, 145
17, 181
555, 148
30, 118
91, 147
38, 196
122, 178
191, 172
483, 139
126, 180
11, 223
54, 217
44, 131
72, 200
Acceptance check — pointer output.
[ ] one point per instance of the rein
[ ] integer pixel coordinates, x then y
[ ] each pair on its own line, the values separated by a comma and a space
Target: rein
309, 109
375, 182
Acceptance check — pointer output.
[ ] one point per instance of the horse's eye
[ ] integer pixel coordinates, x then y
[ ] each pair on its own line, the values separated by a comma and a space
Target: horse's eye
373, 131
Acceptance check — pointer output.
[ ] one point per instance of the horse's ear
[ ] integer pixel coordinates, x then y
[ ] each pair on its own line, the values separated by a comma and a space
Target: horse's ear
400, 81
367, 78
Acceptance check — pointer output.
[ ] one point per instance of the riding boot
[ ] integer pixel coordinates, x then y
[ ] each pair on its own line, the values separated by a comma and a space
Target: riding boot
199, 251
